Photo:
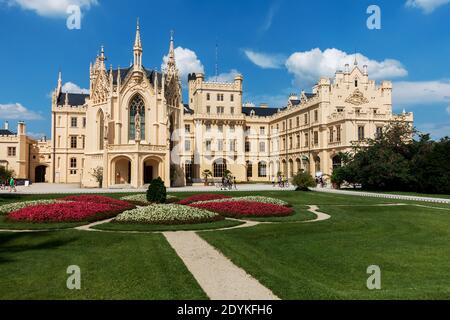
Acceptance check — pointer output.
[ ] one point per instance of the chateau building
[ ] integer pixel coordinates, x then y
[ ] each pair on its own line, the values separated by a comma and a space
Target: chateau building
134, 125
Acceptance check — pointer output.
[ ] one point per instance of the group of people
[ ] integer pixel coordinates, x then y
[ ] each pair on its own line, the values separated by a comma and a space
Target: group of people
281, 181
228, 183
320, 182
9, 184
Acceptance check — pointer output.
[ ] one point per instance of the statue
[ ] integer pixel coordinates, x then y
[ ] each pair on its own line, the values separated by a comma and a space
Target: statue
137, 124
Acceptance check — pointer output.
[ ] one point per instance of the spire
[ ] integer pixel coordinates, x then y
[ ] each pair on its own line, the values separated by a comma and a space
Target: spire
137, 49
171, 67
356, 60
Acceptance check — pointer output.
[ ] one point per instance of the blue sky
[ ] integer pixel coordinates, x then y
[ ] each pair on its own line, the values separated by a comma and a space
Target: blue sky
280, 46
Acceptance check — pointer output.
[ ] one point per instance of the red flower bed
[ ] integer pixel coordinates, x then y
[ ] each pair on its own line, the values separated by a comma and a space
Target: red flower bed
100, 200
202, 197
238, 209
66, 212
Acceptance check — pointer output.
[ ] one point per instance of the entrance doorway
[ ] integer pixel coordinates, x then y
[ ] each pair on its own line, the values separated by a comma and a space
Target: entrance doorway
148, 174
39, 174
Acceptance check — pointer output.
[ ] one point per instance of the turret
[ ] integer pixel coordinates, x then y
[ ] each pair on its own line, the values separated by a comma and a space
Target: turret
137, 49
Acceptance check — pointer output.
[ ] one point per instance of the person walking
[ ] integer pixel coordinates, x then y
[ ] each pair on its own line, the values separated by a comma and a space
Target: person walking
234, 182
12, 185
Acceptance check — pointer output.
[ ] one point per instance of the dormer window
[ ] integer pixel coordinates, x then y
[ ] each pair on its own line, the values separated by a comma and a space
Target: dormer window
356, 83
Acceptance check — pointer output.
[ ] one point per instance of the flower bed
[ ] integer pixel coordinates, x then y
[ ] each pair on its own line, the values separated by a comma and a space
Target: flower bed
202, 197
10, 207
250, 198
167, 214
100, 200
237, 209
65, 211
141, 199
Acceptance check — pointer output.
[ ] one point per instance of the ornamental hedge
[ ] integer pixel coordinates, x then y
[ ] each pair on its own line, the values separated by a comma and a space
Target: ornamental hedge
203, 197
260, 199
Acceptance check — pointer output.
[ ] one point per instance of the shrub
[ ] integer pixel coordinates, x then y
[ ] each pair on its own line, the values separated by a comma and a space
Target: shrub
167, 214
65, 211
250, 198
203, 197
303, 181
141, 199
237, 209
157, 192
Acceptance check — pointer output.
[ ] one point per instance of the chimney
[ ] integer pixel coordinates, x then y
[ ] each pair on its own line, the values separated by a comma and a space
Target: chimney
6, 125
21, 128
347, 68
365, 70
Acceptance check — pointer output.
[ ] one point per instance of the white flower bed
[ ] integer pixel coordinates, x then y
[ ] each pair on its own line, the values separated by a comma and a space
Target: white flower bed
10, 207
142, 198
260, 199
167, 214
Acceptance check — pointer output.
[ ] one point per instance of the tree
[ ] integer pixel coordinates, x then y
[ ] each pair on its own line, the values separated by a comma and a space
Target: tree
156, 192
206, 174
303, 181
97, 173
5, 174
227, 174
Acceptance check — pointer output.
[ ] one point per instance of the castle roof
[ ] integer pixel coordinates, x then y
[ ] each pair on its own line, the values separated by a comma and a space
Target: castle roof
258, 111
5, 132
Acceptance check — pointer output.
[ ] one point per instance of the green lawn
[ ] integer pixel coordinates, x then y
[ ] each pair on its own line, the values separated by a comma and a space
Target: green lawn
321, 260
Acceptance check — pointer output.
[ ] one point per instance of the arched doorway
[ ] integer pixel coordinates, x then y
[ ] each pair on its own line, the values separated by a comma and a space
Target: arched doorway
39, 174
219, 168
151, 170
121, 170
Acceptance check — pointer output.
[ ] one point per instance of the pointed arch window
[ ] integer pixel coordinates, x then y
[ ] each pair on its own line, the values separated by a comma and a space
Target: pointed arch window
137, 105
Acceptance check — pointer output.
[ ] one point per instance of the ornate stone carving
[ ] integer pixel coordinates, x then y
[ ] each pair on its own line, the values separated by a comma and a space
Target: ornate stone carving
357, 98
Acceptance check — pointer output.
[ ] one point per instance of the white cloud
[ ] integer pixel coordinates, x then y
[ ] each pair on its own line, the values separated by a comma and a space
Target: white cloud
448, 109
269, 18
225, 77
273, 101
308, 66
16, 111
71, 87
264, 60
427, 6
436, 130
187, 62
51, 8
421, 92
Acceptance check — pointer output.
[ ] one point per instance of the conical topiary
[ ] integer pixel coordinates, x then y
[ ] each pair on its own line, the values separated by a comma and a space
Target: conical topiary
157, 192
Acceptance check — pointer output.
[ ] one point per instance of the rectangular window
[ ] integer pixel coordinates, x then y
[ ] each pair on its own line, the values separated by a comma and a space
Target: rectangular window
338, 133
220, 145
208, 97
262, 130
316, 115
232, 128
187, 145
232, 110
73, 163
84, 141
220, 110
208, 127
262, 146
290, 143
331, 134
298, 121
187, 128
208, 145
219, 97
290, 123
208, 109
84, 122
316, 138
232, 98
11, 151
247, 146
73, 142
360, 133
247, 130
220, 128
232, 145
74, 122
306, 139
298, 141
379, 132
283, 146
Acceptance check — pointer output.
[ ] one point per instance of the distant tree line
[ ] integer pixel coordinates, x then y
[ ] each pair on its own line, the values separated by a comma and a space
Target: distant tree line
400, 159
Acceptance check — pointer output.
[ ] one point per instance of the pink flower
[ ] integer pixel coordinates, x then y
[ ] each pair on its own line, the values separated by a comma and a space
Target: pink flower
245, 208
202, 197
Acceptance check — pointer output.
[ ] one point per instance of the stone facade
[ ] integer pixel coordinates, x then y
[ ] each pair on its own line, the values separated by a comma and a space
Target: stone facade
134, 125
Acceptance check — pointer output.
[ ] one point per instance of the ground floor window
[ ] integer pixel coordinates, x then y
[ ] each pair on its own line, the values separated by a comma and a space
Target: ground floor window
219, 168
262, 169
249, 169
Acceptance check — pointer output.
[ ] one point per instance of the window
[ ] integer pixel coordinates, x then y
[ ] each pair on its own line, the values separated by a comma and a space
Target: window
208, 97
220, 128
262, 146
331, 134
208, 109
356, 83
232, 98
232, 145
316, 137
247, 146
262, 130
84, 141
73, 142
84, 122
208, 127
11, 151
306, 139
297, 121
247, 130
284, 126
74, 122
73, 163
232, 110
290, 123
316, 115
232, 128
219, 168
220, 145
249, 169
262, 169
187, 145
306, 118
219, 97
379, 132
208, 145
340, 109
290, 143
187, 128
298, 141
137, 111
220, 110
360, 133
188, 170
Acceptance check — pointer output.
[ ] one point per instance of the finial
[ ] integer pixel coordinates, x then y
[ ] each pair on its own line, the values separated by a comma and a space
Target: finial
171, 35
137, 24
356, 60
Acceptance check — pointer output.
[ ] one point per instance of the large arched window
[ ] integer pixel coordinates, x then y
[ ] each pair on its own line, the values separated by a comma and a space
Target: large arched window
249, 169
219, 168
137, 104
